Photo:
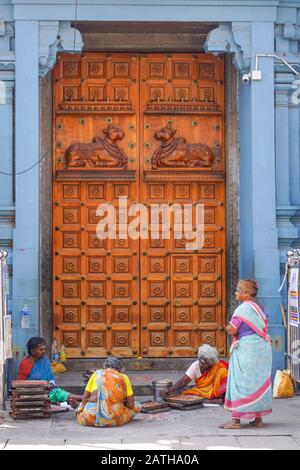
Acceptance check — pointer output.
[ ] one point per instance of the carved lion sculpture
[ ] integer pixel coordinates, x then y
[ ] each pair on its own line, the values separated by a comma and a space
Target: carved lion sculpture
176, 152
100, 152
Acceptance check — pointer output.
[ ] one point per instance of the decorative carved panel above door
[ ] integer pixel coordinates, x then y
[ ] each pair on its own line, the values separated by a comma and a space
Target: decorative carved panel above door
149, 128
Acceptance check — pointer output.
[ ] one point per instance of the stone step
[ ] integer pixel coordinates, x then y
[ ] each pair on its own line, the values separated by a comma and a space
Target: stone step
72, 381
134, 364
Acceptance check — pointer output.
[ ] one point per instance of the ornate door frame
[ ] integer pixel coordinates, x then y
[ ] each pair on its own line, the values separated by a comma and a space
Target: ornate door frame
232, 151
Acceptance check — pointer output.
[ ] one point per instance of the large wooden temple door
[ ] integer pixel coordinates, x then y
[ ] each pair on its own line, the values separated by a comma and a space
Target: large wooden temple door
149, 297
96, 282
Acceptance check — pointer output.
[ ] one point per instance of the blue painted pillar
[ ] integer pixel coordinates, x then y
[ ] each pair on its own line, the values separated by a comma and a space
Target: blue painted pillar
6, 165
294, 148
6, 138
287, 166
27, 137
259, 237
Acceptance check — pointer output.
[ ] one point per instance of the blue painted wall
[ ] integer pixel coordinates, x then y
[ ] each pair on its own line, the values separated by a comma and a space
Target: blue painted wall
7, 77
269, 131
259, 233
27, 141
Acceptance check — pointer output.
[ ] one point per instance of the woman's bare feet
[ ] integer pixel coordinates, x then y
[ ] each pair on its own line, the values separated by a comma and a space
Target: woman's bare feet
233, 424
257, 423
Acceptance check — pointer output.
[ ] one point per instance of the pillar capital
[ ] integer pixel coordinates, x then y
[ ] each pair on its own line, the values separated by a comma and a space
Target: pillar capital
232, 38
56, 36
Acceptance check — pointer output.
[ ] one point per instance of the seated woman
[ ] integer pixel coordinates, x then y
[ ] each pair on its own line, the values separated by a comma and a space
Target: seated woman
108, 399
209, 373
37, 366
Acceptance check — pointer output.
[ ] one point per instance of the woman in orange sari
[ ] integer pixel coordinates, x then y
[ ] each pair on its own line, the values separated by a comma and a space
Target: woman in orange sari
108, 399
209, 373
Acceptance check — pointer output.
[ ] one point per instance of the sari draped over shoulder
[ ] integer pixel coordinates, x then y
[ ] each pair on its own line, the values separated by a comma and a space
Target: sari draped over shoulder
212, 384
109, 411
254, 317
42, 370
249, 393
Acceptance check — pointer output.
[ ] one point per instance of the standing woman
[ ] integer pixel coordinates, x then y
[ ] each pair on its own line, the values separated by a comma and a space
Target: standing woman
249, 392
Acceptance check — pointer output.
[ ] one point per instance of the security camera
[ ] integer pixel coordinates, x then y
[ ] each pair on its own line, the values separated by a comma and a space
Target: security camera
246, 77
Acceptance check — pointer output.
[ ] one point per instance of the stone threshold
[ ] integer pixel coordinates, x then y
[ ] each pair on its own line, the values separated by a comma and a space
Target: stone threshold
72, 381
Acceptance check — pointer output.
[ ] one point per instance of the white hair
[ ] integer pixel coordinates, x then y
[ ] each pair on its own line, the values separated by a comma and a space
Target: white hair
208, 353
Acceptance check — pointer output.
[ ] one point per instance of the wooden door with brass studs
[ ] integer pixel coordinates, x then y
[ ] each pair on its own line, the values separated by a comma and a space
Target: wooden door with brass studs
150, 129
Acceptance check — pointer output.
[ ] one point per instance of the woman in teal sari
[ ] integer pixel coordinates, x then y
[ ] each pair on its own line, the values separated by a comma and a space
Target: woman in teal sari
249, 392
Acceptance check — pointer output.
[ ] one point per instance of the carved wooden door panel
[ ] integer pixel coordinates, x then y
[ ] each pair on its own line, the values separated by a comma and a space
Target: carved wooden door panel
149, 128
96, 284
183, 162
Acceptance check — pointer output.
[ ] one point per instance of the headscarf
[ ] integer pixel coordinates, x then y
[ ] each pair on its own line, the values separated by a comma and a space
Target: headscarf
249, 286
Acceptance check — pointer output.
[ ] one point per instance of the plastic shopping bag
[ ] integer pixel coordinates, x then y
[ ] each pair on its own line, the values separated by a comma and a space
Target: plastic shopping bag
283, 385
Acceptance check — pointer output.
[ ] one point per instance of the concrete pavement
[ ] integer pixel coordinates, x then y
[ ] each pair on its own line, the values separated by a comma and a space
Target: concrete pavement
181, 430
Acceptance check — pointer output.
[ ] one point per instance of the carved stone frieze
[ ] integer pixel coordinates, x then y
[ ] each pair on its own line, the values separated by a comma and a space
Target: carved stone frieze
177, 153
101, 153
